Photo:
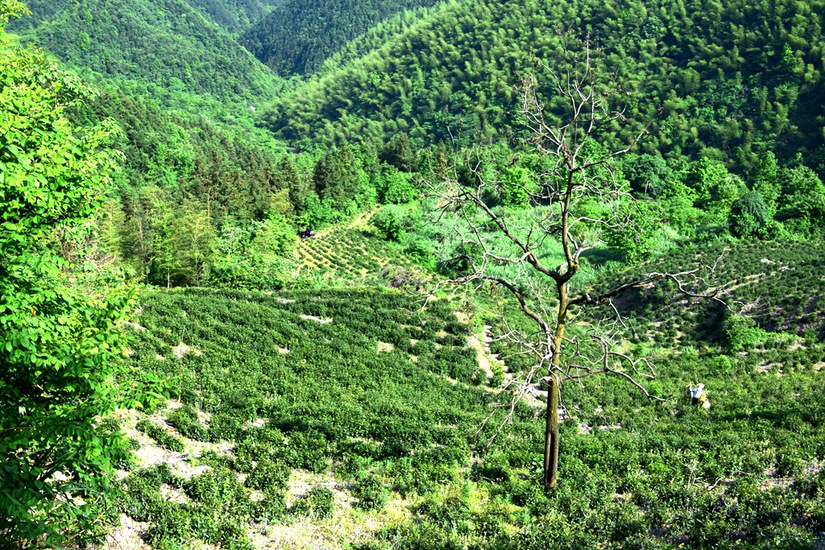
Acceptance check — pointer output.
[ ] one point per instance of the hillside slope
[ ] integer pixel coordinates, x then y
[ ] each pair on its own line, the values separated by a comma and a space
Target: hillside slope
776, 285
728, 81
298, 36
354, 415
162, 49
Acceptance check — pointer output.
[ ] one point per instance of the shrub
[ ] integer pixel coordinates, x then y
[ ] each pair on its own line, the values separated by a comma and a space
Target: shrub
740, 333
390, 223
163, 438
307, 450
224, 426
371, 493
494, 468
186, 421
498, 375
268, 476
318, 504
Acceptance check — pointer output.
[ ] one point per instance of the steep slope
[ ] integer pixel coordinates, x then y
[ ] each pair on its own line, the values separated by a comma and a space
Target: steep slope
163, 49
338, 404
776, 285
298, 36
234, 15
728, 80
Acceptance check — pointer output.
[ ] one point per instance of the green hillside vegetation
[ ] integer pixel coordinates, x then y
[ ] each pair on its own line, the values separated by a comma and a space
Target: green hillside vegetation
165, 50
369, 390
326, 387
235, 16
197, 205
775, 285
352, 254
59, 309
729, 81
298, 36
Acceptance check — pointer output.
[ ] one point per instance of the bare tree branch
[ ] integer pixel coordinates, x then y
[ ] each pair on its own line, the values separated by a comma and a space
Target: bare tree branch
533, 257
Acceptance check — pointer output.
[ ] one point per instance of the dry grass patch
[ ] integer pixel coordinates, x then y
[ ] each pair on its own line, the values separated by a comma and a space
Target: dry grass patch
348, 525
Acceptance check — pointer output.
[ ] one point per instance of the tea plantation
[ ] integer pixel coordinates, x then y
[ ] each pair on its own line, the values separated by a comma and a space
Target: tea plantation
356, 414
350, 254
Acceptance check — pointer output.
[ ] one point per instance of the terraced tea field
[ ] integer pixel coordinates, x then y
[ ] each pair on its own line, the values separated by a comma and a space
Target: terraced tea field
351, 253
353, 419
778, 285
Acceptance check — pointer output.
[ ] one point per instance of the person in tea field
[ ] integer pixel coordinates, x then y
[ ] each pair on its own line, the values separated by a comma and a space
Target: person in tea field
698, 396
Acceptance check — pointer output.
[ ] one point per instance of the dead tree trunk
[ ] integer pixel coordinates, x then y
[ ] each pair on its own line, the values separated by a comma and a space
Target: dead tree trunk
561, 200
551, 434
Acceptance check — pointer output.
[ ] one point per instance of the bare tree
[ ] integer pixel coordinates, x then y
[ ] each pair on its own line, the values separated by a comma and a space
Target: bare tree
576, 200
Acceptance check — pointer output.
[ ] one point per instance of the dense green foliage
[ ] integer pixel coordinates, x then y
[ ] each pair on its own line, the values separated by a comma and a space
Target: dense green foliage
334, 398
776, 284
234, 15
164, 50
58, 311
364, 386
298, 36
377, 409
200, 205
730, 80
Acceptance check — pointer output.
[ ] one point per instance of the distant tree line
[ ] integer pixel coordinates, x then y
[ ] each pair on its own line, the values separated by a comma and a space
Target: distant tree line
199, 206
196, 205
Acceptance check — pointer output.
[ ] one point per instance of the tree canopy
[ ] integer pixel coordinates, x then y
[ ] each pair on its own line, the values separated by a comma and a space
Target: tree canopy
58, 338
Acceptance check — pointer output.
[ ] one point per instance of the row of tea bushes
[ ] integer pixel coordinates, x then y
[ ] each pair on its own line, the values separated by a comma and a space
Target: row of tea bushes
367, 383
351, 254
329, 381
778, 285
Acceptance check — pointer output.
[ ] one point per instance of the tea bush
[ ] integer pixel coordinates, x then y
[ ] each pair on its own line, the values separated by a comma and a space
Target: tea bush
186, 421
317, 504
633, 473
371, 493
164, 438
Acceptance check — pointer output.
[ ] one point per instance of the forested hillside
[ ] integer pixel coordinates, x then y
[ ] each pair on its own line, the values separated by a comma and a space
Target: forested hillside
351, 293
235, 15
298, 36
161, 49
725, 80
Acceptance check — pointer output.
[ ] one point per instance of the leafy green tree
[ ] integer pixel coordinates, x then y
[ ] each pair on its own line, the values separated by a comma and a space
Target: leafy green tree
111, 224
517, 185
802, 204
399, 153
634, 237
58, 338
396, 186
390, 223
748, 216
703, 177
191, 243
724, 193
275, 237
337, 178
254, 255
647, 174
287, 177
766, 181
677, 202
